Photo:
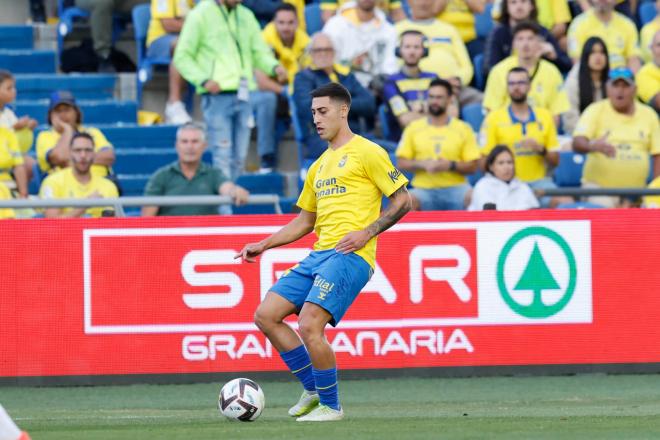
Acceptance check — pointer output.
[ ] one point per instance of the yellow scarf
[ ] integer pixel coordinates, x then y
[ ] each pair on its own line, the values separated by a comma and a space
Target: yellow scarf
292, 58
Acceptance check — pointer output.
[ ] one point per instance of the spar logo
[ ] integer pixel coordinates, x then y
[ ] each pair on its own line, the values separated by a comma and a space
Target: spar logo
546, 284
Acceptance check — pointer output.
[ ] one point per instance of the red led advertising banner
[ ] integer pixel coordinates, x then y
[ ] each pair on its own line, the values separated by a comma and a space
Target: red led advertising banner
165, 295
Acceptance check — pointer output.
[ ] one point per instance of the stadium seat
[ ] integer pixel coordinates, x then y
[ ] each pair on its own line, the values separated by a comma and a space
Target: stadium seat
271, 183
94, 112
479, 79
68, 14
86, 87
134, 136
579, 205
484, 22
313, 18
382, 118
16, 37
569, 170
28, 61
647, 12
474, 177
473, 114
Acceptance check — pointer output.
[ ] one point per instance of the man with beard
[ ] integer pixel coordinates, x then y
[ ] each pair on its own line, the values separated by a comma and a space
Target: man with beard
77, 181
406, 91
440, 151
528, 131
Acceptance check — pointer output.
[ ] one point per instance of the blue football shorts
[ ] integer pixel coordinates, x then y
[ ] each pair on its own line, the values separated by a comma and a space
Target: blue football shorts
327, 278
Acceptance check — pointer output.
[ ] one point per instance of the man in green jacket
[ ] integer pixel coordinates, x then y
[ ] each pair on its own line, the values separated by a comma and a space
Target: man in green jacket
219, 46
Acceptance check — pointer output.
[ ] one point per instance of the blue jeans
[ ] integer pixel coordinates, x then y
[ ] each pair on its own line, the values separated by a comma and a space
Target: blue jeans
451, 198
228, 125
264, 106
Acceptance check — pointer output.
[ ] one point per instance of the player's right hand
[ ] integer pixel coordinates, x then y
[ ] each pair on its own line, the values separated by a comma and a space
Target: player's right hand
250, 252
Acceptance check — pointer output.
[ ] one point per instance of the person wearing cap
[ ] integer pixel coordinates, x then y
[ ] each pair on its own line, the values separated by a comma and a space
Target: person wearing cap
619, 136
219, 47
65, 119
648, 77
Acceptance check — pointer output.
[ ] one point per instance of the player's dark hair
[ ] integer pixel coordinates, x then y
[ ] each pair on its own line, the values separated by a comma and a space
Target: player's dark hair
439, 82
334, 91
526, 26
496, 151
5, 75
83, 135
518, 70
286, 7
505, 16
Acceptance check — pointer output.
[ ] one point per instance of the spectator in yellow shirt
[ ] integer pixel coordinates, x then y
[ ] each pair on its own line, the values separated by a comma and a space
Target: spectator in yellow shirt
647, 33
77, 181
5, 194
648, 77
391, 7
13, 174
460, 14
617, 30
440, 151
65, 118
448, 58
529, 131
619, 136
288, 42
166, 22
546, 81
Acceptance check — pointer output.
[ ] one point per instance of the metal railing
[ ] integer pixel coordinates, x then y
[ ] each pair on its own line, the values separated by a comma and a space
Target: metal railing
120, 202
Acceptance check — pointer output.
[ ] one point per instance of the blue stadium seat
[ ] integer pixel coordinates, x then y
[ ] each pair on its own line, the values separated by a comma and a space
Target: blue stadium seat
473, 114
70, 14
28, 61
647, 12
155, 136
479, 79
313, 18
484, 22
382, 118
474, 177
16, 37
94, 112
142, 160
569, 170
579, 205
86, 87
271, 183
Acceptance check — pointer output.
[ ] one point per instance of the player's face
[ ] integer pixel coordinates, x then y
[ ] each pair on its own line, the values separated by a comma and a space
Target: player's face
597, 58
412, 49
621, 95
190, 146
328, 116
7, 91
518, 86
438, 100
519, 9
503, 167
286, 23
82, 155
66, 113
526, 43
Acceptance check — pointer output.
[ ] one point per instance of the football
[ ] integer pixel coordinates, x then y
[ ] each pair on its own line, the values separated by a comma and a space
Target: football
241, 399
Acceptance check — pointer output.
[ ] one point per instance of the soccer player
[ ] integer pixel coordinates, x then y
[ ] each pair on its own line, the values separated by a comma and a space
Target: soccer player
340, 201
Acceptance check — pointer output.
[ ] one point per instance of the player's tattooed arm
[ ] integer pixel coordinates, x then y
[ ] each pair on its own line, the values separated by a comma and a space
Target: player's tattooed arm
400, 204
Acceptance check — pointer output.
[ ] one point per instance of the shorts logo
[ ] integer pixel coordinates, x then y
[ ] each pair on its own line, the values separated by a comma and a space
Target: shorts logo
324, 286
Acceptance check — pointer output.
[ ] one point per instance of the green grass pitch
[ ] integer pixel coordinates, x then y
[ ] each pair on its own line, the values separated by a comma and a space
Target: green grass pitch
581, 407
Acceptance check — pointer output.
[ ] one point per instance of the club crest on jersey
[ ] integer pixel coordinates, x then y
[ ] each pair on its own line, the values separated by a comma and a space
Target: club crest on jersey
343, 160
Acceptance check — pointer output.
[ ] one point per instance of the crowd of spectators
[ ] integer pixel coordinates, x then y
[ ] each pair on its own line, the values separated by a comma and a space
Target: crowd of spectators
580, 75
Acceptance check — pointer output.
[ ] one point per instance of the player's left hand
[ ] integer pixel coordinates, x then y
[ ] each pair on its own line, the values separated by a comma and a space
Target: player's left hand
353, 241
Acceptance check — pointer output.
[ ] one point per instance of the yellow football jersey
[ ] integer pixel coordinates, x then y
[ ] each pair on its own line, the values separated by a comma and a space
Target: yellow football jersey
620, 36
635, 137
502, 127
454, 141
10, 153
386, 6
63, 185
646, 37
344, 187
47, 140
5, 194
546, 90
448, 56
165, 9
648, 82
458, 14
552, 12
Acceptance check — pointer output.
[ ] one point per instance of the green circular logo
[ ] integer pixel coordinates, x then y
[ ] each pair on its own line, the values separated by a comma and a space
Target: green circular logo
536, 276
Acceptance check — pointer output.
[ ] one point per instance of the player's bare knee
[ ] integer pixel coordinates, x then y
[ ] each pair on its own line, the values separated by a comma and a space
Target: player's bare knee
310, 328
264, 318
